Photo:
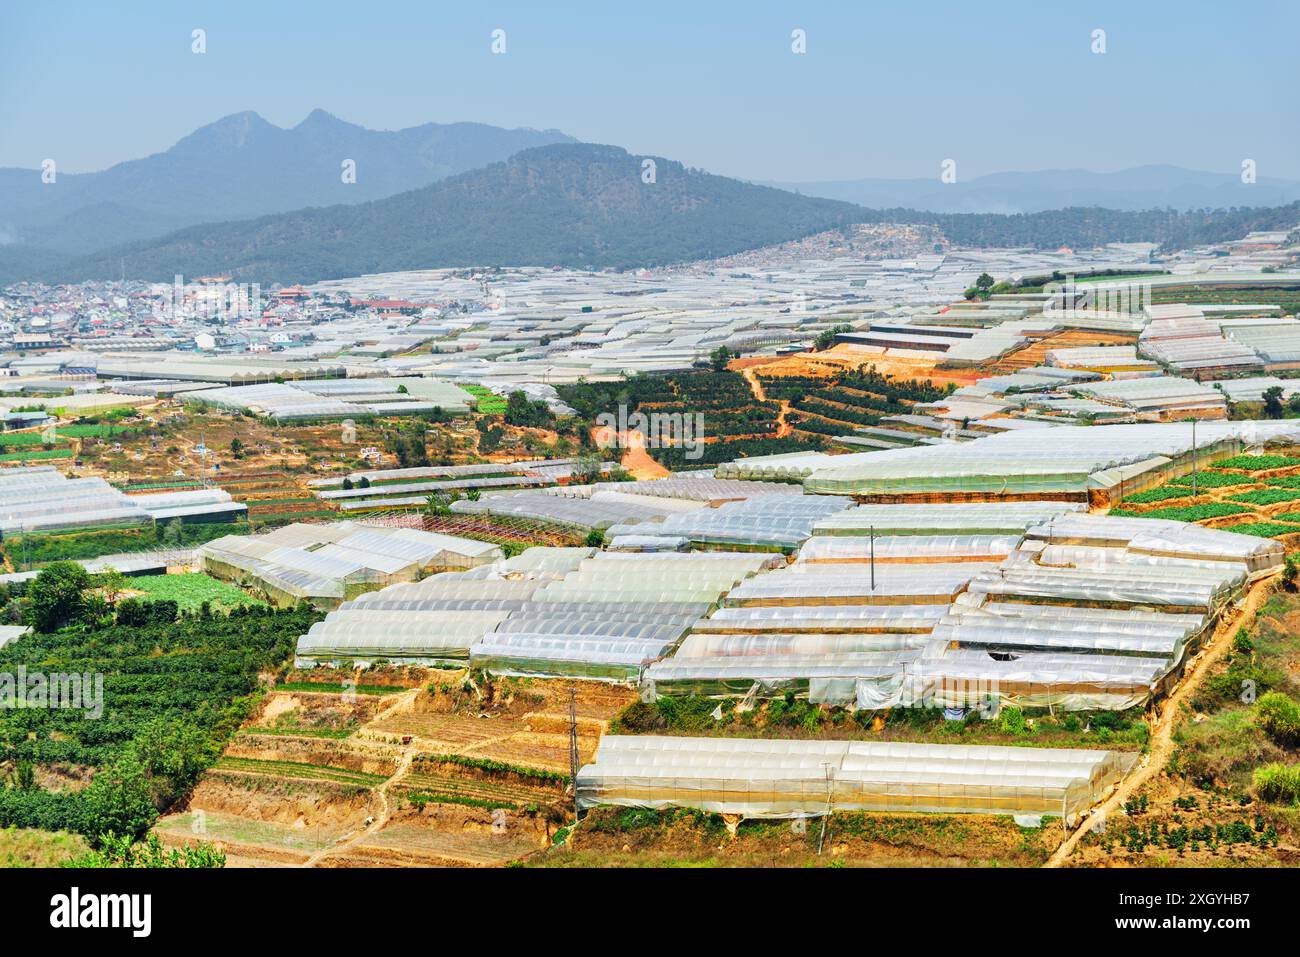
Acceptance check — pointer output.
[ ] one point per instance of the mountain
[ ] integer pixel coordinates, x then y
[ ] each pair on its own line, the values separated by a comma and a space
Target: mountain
241, 166
1139, 188
577, 205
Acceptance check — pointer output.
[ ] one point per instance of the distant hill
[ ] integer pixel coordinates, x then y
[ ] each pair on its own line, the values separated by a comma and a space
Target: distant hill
576, 205
1139, 188
580, 206
241, 166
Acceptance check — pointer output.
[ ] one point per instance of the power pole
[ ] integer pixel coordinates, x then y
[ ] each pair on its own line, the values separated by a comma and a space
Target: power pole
829, 769
573, 748
872, 530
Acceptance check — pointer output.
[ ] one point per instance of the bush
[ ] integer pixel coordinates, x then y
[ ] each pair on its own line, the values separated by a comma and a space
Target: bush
1278, 783
641, 717
1012, 721
1279, 717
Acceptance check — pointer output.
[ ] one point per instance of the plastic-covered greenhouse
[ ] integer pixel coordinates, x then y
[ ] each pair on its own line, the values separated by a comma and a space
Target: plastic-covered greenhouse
958, 518
548, 611
764, 778
43, 499
1065, 461
768, 522
326, 564
830, 549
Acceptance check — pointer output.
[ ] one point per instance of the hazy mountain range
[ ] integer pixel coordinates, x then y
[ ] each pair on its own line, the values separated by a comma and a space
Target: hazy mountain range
573, 204
245, 197
1139, 188
239, 167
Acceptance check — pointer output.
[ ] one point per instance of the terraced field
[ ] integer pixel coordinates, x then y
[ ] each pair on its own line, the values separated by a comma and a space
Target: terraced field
299, 770
448, 780
499, 793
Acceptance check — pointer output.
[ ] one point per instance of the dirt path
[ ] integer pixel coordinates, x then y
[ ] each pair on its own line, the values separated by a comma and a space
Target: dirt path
409, 752
1162, 732
760, 395
636, 460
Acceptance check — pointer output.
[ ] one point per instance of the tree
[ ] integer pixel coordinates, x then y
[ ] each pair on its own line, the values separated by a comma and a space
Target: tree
1273, 407
521, 412
173, 754
57, 596
112, 584
117, 800
347, 484
719, 358
826, 338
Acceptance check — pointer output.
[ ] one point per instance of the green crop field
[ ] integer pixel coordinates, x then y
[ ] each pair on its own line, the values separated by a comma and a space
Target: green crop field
192, 589
1187, 513
41, 453
1257, 463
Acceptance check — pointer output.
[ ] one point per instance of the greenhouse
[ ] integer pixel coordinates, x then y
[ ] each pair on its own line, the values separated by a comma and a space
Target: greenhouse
600, 511
762, 778
547, 611
962, 518
768, 522
830, 549
892, 584
326, 564
42, 498
1069, 462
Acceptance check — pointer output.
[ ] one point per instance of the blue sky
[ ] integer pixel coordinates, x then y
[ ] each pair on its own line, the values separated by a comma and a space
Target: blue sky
886, 88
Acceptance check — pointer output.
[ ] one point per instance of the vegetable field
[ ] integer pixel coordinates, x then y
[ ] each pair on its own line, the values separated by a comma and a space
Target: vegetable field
191, 590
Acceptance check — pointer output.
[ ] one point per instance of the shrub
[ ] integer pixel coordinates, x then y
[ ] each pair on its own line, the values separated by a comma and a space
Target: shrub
1012, 721
1279, 717
1278, 783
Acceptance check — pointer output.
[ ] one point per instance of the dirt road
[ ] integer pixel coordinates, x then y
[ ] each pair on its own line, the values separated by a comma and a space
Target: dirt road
636, 460
760, 395
1162, 732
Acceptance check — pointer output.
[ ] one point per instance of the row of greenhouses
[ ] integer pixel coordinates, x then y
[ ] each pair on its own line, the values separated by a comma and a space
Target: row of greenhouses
547, 611
1081, 611
42, 499
764, 778
1067, 462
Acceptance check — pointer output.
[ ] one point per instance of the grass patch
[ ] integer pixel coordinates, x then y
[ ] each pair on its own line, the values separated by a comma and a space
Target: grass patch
326, 687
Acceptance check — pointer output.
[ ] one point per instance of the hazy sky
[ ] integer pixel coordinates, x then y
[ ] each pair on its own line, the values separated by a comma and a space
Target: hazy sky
885, 89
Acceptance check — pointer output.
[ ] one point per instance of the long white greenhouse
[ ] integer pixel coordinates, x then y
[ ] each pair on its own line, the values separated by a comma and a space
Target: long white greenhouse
761, 778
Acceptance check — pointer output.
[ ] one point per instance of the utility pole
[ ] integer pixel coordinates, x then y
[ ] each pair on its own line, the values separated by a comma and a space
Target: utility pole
573, 748
872, 529
829, 769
